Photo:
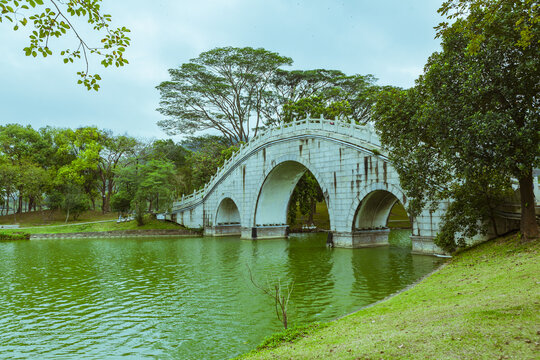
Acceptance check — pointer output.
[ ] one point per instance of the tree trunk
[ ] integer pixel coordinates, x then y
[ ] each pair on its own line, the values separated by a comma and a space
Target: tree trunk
67, 217
528, 225
20, 207
103, 196
312, 211
110, 187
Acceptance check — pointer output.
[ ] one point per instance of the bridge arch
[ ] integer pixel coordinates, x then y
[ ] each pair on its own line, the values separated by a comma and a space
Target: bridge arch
227, 212
275, 187
371, 207
347, 161
225, 217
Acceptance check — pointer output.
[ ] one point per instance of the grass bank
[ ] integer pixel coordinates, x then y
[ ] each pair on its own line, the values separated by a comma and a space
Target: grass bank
53, 217
484, 304
112, 225
9, 236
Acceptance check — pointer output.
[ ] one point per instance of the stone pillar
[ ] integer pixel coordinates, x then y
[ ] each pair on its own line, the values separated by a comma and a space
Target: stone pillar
361, 238
224, 230
425, 245
271, 232
246, 233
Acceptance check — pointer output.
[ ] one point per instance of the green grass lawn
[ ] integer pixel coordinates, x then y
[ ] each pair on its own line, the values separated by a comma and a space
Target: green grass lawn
112, 225
48, 217
484, 304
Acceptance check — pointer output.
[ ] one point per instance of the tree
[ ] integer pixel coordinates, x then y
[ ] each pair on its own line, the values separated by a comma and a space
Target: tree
279, 293
207, 154
472, 122
147, 183
21, 147
69, 198
114, 150
55, 20
304, 197
121, 202
222, 89
78, 154
331, 93
315, 106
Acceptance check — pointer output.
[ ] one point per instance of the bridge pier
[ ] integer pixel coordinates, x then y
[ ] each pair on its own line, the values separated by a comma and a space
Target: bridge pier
265, 232
361, 238
223, 230
424, 245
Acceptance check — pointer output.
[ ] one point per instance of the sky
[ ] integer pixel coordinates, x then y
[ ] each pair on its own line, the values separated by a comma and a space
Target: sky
390, 39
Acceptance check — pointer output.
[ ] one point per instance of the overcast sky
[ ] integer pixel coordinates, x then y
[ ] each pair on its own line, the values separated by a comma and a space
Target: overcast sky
390, 39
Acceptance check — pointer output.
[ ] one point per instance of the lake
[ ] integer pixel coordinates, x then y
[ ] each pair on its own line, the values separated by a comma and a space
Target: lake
182, 298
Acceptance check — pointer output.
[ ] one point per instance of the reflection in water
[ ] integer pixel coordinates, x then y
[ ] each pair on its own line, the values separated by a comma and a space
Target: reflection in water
180, 298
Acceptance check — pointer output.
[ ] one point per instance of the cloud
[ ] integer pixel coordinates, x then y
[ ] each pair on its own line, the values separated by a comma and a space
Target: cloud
390, 39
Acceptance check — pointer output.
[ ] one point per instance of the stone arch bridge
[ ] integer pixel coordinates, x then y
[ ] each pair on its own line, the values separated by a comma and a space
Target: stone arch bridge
249, 194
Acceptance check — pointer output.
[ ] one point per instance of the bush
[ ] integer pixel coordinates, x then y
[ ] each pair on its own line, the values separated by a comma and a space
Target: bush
14, 236
121, 202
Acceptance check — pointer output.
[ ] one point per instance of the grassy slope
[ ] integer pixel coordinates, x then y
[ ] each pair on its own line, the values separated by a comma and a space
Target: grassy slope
48, 217
484, 304
32, 224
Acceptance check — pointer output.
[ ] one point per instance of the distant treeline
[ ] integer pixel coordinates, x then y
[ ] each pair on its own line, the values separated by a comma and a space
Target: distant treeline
78, 169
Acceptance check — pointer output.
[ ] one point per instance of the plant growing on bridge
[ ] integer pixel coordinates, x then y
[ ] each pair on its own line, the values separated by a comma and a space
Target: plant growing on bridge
472, 122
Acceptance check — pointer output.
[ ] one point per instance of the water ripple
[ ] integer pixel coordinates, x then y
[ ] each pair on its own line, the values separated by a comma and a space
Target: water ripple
178, 298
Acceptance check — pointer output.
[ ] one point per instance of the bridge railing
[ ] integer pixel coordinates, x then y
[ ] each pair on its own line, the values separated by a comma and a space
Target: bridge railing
363, 133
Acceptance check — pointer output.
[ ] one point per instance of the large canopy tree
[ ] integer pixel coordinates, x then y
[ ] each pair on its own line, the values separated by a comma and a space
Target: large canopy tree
472, 122
222, 89
322, 92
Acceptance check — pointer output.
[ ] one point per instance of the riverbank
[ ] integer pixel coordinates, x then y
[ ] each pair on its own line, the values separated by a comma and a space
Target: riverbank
101, 228
484, 304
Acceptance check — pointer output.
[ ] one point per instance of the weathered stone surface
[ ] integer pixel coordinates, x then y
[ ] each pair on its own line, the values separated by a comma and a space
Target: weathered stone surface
360, 186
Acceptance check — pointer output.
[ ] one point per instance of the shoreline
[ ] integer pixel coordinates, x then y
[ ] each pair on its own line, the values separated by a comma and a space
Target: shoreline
466, 308
117, 234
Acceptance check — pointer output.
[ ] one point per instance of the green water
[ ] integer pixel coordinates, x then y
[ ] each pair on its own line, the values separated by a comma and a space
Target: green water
181, 298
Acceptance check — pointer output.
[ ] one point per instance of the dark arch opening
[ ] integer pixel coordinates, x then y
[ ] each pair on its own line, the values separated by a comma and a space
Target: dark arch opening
227, 213
382, 210
307, 210
274, 198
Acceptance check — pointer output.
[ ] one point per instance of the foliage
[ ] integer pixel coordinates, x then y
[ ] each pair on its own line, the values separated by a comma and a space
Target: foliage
221, 89
207, 153
69, 198
484, 13
54, 18
298, 93
304, 197
471, 123
315, 106
14, 236
121, 202
148, 183
167, 149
